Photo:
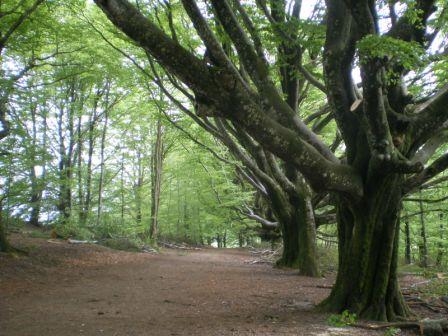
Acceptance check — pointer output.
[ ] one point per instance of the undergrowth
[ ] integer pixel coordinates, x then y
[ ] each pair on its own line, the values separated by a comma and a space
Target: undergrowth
342, 320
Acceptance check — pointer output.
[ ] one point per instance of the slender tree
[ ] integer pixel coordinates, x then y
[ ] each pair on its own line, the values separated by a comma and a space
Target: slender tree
156, 179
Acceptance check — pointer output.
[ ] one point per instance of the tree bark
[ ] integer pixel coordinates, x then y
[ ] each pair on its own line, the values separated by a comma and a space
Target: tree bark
157, 167
4, 243
407, 243
368, 247
36, 182
423, 244
296, 221
440, 249
102, 166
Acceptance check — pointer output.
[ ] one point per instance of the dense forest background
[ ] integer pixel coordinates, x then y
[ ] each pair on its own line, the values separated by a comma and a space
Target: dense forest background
99, 141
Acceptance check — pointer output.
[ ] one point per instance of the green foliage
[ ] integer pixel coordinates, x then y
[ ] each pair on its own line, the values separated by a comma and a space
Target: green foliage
435, 288
396, 52
342, 320
39, 234
72, 230
391, 331
328, 258
123, 244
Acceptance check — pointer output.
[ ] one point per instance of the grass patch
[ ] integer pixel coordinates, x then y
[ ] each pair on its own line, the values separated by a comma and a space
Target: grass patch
344, 319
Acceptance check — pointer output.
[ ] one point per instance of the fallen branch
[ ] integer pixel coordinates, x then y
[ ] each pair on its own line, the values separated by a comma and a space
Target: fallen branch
426, 327
75, 241
54, 241
320, 286
175, 246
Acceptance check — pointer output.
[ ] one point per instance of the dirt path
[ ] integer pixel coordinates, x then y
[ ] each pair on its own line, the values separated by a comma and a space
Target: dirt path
63, 289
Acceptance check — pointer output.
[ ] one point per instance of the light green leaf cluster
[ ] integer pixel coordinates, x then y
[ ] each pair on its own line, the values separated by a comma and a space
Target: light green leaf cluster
393, 51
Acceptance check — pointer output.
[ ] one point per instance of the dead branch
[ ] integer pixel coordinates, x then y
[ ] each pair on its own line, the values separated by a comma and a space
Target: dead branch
426, 327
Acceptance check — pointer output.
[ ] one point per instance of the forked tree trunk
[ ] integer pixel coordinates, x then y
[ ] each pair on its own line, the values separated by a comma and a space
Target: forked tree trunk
368, 247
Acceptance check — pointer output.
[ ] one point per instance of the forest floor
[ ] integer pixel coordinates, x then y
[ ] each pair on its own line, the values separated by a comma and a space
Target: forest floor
67, 289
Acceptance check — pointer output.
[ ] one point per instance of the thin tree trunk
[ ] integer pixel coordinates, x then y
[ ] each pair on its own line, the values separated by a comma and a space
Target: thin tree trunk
36, 197
101, 177
407, 251
4, 243
80, 182
66, 154
36, 182
138, 186
91, 146
157, 167
122, 204
423, 245
440, 249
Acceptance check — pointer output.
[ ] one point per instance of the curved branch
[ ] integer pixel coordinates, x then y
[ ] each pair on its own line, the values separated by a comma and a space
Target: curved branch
430, 115
430, 147
191, 70
406, 30
296, 146
339, 52
207, 36
258, 69
256, 65
428, 173
263, 221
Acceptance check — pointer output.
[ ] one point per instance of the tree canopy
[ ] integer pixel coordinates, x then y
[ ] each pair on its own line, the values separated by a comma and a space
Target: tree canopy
288, 118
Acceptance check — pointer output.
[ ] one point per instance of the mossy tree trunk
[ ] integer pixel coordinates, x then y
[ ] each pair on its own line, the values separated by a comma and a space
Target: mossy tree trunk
368, 246
296, 220
299, 241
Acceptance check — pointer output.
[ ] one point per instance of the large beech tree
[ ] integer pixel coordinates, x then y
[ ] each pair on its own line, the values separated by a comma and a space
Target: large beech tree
389, 137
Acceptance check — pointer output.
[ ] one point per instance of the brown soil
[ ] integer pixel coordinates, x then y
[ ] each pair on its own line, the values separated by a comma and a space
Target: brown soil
66, 289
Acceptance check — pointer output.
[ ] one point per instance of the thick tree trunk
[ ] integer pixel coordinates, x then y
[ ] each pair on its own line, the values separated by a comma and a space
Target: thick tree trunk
298, 235
290, 239
368, 247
